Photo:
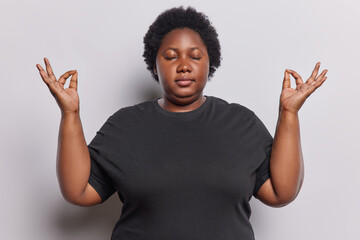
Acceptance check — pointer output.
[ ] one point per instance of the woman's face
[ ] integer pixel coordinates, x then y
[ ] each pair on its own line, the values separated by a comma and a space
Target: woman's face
182, 66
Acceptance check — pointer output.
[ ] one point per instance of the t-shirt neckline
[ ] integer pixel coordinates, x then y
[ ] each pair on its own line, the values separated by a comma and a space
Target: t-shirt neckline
183, 116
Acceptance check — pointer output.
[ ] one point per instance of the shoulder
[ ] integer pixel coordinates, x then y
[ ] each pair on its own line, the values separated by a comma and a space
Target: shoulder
134, 110
231, 107
130, 116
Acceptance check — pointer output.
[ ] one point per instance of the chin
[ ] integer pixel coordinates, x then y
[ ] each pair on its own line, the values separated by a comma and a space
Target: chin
184, 99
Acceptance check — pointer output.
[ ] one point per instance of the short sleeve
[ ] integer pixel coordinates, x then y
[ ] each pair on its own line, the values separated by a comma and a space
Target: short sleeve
99, 179
265, 141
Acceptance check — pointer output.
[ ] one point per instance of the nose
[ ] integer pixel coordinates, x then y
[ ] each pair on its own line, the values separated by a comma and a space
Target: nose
184, 67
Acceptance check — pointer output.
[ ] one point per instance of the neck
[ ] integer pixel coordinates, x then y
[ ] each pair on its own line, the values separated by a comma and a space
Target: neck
171, 106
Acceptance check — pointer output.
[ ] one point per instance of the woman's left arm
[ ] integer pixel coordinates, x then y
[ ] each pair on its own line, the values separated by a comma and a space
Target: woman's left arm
286, 162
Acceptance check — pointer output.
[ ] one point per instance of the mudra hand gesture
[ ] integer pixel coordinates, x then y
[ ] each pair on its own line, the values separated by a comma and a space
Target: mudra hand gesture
292, 99
67, 99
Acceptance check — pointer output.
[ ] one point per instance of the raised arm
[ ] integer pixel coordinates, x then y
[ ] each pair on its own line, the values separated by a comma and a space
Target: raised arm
286, 162
73, 159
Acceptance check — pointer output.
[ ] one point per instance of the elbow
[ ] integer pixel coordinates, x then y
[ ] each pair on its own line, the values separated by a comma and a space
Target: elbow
278, 200
83, 199
282, 202
78, 201
284, 199
277, 196
73, 198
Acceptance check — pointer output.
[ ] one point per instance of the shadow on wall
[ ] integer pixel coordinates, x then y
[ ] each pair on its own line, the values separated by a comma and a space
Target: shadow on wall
97, 222
150, 92
141, 88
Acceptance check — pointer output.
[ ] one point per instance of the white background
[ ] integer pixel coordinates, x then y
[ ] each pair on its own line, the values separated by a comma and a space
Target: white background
103, 40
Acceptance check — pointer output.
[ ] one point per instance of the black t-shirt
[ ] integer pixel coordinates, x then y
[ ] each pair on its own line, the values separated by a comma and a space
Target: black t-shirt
181, 175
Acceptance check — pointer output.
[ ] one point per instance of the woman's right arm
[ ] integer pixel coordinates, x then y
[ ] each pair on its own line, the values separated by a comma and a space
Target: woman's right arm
73, 159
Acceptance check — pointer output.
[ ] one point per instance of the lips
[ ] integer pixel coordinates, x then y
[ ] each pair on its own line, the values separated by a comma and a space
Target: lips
184, 81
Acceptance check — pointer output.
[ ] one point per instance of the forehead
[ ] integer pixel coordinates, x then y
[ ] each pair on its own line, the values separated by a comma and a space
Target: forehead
182, 38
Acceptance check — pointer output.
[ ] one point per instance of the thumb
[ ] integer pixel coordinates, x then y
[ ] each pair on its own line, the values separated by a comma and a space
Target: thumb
286, 81
74, 81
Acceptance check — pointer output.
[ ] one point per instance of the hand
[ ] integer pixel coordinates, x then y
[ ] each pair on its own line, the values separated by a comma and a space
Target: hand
67, 99
292, 99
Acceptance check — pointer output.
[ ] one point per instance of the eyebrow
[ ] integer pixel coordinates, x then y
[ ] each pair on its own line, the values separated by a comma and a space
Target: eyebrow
175, 49
171, 49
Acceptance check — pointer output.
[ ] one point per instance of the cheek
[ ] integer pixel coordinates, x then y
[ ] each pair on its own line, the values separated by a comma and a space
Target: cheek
165, 74
204, 68
164, 69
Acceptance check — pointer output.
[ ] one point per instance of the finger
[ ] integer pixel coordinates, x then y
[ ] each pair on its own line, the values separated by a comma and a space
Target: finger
318, 83
319, 78
49, 69
314, 73
73, 81
322, 74
65, 76
53, 86
286, 82
297, 77
43, 74
38, 66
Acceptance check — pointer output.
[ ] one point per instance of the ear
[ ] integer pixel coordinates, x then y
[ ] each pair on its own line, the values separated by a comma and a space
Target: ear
155, 70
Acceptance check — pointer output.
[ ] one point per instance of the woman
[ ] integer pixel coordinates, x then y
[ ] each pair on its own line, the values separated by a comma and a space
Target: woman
185, 166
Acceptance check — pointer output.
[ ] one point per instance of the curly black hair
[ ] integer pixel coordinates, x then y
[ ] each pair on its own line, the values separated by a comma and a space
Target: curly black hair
176, 18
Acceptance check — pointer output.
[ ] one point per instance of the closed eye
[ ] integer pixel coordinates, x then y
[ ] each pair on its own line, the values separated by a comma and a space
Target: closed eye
169, 58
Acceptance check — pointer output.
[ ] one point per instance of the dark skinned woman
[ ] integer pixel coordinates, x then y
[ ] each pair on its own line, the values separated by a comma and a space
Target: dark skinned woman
186, 165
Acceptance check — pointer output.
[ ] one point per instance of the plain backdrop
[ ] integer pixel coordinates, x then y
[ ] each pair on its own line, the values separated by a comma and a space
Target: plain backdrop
103, 40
